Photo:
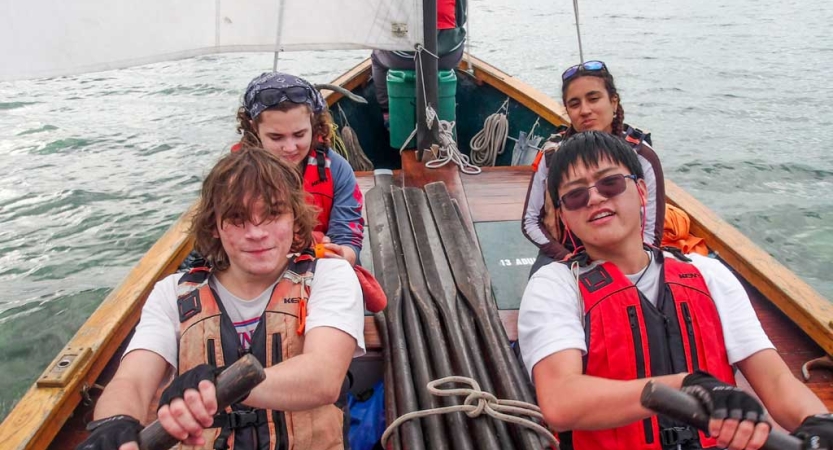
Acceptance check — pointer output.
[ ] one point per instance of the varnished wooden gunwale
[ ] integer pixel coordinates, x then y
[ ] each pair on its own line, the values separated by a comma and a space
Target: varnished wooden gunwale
497, 194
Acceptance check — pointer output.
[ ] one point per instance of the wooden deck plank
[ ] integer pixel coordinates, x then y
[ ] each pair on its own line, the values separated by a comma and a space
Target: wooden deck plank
497, 194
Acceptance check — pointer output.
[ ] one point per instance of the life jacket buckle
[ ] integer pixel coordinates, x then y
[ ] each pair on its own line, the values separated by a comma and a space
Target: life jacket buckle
241, 419
676, 436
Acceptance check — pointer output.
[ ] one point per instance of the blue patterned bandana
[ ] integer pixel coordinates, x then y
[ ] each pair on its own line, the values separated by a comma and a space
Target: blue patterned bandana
273, 88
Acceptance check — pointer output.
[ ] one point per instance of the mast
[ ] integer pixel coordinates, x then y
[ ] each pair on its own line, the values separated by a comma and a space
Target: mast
427, 79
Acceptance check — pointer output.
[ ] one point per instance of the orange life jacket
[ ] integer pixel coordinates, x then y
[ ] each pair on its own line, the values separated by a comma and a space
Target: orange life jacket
629, 338
209, 336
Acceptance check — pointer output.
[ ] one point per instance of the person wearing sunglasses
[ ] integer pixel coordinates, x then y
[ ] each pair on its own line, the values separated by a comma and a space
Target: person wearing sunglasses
593, 103
594, 329
287, 116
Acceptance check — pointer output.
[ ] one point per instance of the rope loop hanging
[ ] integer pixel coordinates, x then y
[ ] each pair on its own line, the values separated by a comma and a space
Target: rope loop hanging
490, 142
478, 402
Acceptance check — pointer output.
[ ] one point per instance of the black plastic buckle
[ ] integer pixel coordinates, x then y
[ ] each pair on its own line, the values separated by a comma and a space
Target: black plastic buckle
676, 436
242, 419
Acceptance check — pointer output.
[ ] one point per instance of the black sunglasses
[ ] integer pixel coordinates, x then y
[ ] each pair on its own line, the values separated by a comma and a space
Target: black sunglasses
273, 96
589, 66
607, 187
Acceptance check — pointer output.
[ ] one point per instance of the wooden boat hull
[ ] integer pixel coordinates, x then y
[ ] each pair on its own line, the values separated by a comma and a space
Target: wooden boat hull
797, 318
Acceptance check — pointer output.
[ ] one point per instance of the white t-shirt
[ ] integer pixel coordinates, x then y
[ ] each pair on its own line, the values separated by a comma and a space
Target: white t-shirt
549, 320
335, 301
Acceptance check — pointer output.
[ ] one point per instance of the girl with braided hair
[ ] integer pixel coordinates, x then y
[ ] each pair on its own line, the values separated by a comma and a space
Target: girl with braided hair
593, 103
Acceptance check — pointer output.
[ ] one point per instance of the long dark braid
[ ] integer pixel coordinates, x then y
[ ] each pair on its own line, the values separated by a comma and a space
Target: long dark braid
617, 127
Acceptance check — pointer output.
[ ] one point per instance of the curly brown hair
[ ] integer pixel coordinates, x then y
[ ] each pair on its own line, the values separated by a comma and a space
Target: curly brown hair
230, 191
617, 127
322, 125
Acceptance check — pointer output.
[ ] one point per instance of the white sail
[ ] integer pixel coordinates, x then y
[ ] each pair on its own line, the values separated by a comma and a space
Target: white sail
45, 38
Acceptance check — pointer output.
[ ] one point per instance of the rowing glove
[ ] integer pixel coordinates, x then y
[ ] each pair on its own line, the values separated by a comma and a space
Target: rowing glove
816, 432
111, 432
188, 380
721, 400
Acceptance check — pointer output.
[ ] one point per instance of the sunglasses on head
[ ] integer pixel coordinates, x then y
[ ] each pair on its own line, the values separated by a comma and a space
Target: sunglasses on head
607, 187
589, 66
273, 96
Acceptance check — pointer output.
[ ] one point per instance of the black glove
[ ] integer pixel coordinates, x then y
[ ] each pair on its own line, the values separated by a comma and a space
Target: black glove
188, 380
721, 400
816, 432
110, 433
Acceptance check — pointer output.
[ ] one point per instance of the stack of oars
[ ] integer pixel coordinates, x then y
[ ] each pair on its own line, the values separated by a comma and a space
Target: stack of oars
440, 321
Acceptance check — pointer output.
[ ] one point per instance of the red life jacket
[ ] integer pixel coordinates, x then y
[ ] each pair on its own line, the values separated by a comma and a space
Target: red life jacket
630, 338
318, 183
446, 14
207, 335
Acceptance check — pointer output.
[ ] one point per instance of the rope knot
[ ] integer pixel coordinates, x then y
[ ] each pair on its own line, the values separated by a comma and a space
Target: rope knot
483, 400
475, 404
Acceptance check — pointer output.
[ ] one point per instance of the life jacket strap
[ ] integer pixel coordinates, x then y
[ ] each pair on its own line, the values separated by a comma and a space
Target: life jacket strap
677, 253
321, 162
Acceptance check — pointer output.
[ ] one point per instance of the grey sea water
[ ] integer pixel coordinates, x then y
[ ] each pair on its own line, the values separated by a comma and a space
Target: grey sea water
96, 167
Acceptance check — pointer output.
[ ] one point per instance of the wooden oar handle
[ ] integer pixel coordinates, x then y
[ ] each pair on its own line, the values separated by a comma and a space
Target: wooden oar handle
232, 384
682, 407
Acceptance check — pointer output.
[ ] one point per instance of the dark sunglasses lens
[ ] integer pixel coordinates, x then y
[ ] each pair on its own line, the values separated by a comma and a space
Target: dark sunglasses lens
607, 187
273, 97
576, 199
296, 94
594, 65
569, 72
611, 186
269, 97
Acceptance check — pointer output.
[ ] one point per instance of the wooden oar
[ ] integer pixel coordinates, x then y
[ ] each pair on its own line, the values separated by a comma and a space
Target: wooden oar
494, 315
443, 292
469, 277
682, 407
379, 207
430, 321
418, 351
395, 442
232, 384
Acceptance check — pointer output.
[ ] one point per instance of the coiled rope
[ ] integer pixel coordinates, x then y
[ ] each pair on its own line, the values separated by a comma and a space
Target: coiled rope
477, 402
489, 142
449, 152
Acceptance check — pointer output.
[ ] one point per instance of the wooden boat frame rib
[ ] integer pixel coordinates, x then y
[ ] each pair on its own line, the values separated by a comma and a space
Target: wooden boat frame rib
41, 413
